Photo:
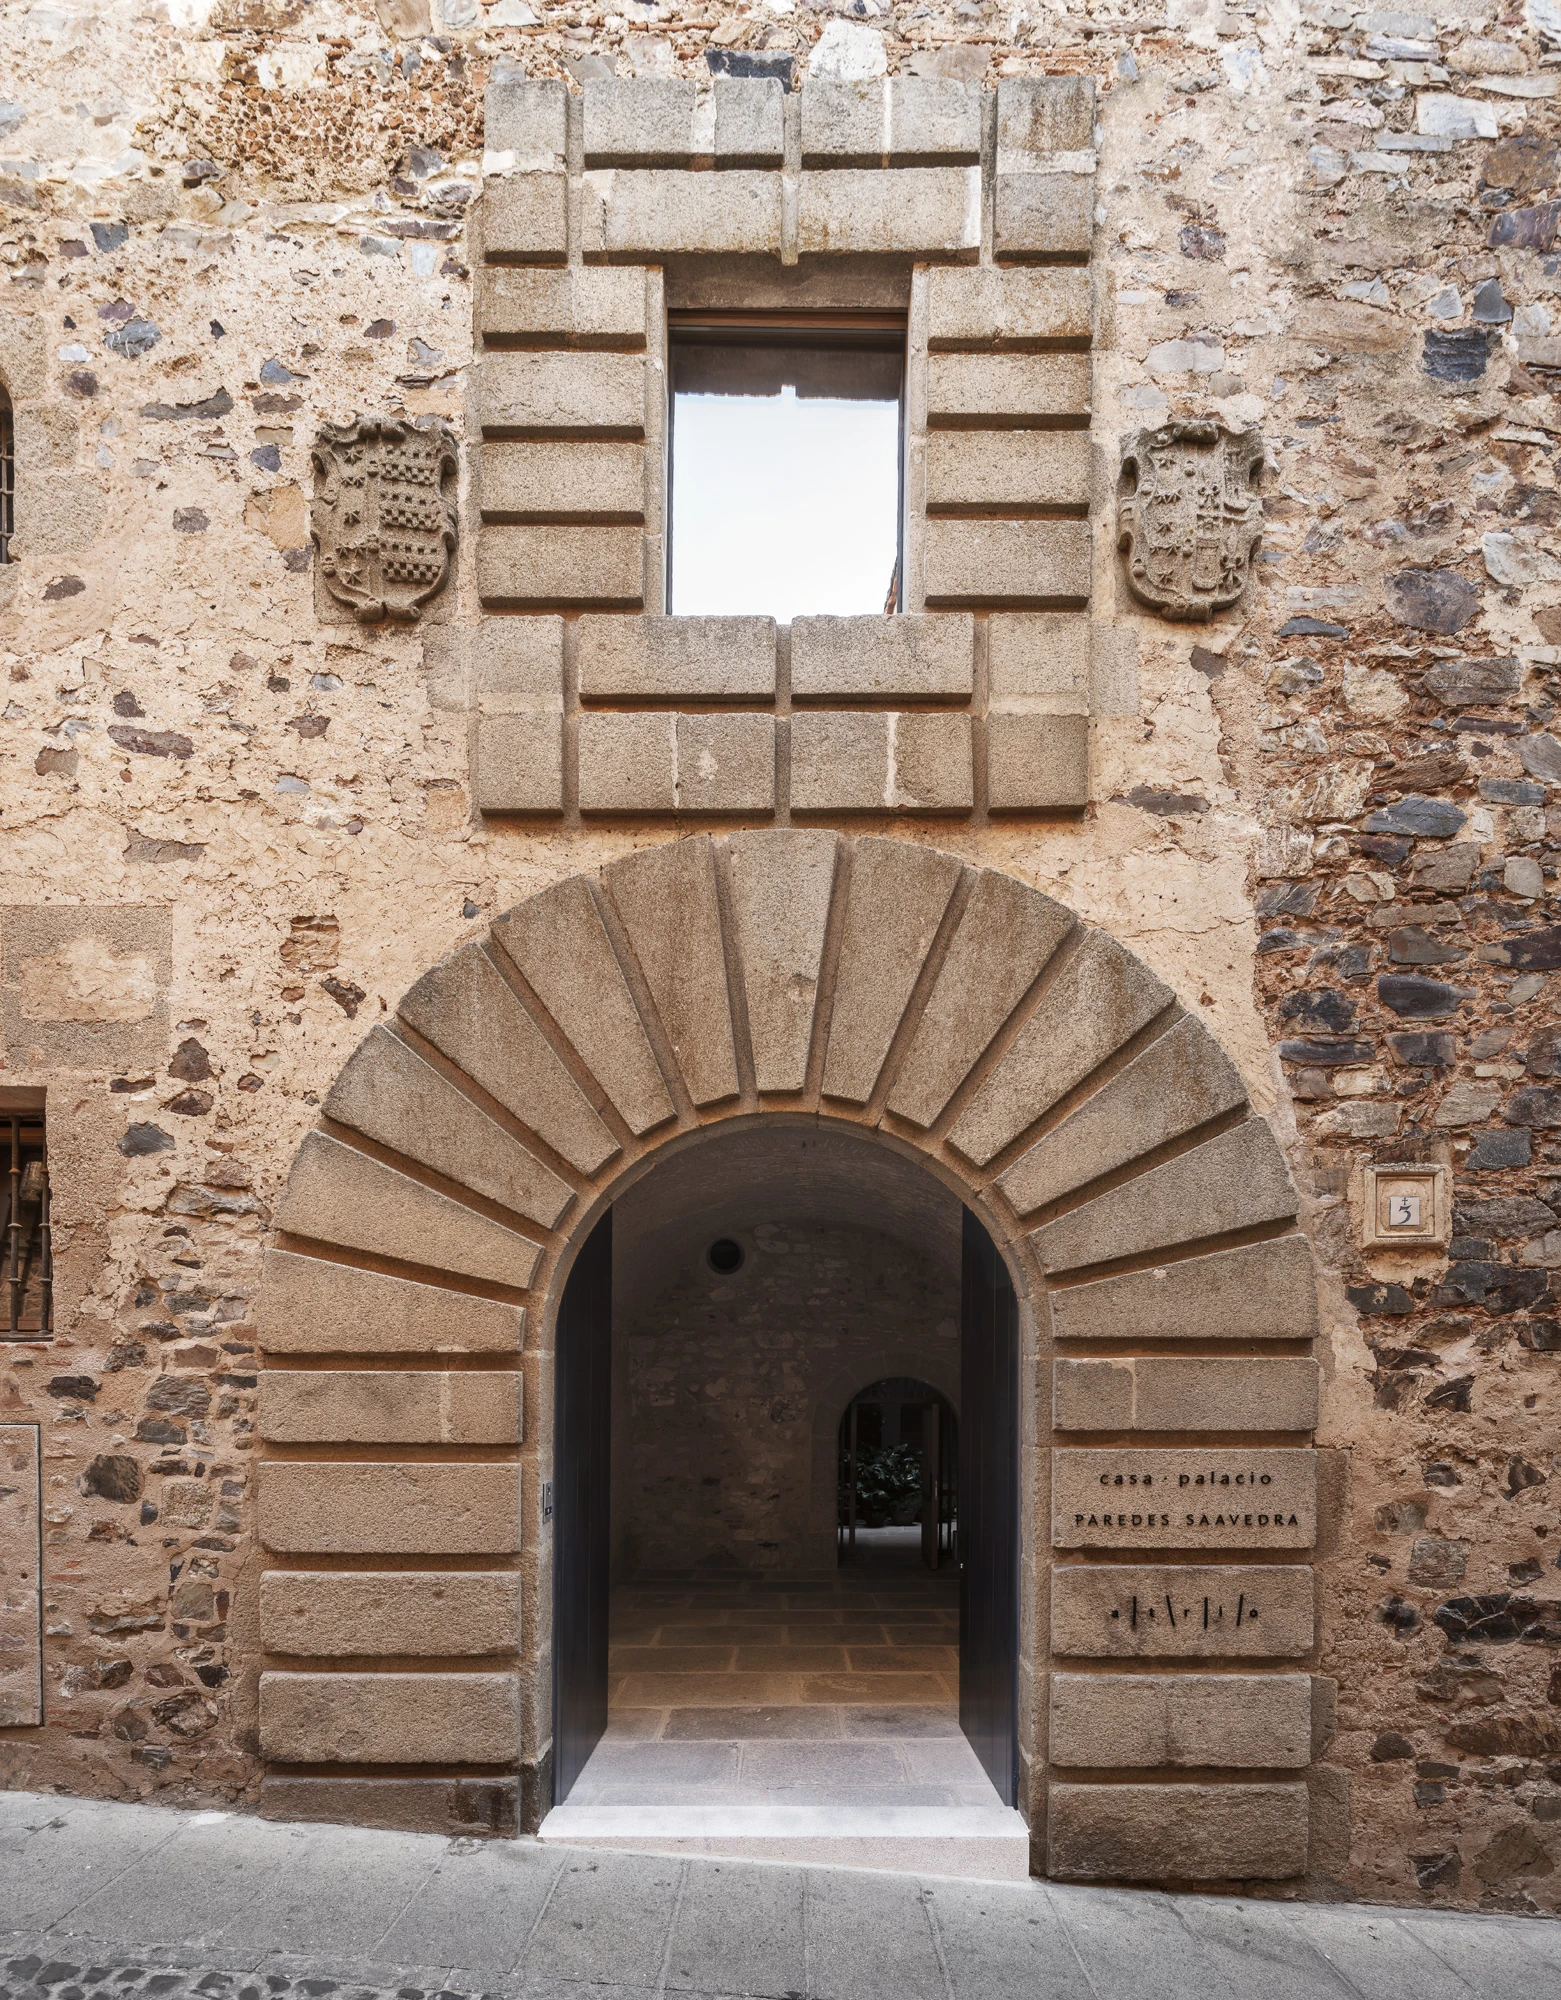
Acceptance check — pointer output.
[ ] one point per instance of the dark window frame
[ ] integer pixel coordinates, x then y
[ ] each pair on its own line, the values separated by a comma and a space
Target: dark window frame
881, 332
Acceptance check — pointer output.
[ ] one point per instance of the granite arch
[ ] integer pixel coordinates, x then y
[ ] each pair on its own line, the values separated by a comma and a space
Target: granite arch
949, 1012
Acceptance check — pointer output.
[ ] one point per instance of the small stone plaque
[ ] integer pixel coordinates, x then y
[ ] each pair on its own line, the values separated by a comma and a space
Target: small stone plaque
1179, 1611
1236, 1498
1405, 1207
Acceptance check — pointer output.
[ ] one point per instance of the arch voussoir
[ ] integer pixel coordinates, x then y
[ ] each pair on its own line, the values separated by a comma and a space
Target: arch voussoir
1181, 1081
466, 1009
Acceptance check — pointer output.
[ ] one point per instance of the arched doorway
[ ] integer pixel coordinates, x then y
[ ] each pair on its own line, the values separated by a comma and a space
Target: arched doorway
720, 1677
897, 1454
949, 1015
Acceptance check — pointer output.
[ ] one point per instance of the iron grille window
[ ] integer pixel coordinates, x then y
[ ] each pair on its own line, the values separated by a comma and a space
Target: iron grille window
7, 478
24, 1220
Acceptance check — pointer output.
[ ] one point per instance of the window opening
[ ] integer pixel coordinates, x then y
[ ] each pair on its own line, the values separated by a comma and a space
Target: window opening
24, 1220
7, 478
787, 464
725, 1256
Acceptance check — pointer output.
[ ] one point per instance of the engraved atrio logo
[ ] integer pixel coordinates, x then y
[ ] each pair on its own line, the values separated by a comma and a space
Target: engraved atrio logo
1189, 516
384, 514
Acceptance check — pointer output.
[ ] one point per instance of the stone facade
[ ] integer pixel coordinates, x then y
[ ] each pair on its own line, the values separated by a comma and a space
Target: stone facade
1258, 904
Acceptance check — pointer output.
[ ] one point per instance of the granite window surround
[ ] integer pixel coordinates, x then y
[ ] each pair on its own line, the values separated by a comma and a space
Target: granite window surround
968, 210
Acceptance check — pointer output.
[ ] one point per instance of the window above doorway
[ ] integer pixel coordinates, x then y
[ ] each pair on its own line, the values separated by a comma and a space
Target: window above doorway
786, 464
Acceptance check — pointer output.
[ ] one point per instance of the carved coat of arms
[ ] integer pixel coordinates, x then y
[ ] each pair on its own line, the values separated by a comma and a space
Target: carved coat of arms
384, 514
1189, 515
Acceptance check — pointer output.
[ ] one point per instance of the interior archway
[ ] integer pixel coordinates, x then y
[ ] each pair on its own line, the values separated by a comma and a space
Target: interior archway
1027, 1061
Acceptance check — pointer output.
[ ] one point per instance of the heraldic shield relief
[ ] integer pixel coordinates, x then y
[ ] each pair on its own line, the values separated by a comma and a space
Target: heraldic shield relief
384, 514
1189, 516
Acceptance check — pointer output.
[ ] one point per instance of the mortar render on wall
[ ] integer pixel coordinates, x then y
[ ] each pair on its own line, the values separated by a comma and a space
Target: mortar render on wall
1289, 235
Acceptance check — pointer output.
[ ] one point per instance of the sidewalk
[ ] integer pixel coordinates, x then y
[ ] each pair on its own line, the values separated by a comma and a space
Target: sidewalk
101, 1900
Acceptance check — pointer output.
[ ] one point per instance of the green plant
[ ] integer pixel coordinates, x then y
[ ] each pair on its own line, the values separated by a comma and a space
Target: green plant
888, 1483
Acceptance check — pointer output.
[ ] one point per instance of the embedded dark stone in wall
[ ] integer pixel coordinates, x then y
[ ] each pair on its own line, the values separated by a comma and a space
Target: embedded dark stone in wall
1327, 1054
1431, 819
1537, 950
1410, 996
1325, 1010
1379, 1299
1433, 1048
1433, 600
1493, 1152
1457, 355
1473, 683
140, 1140
112, 1478
1526, 228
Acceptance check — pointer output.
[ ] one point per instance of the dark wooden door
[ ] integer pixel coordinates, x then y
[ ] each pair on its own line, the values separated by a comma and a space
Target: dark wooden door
582, 1468
989, 1510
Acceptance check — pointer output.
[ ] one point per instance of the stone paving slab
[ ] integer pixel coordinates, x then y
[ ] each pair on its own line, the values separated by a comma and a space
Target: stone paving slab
104, 1901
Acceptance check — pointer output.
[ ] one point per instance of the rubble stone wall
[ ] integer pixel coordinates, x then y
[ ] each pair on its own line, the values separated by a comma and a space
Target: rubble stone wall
238, 827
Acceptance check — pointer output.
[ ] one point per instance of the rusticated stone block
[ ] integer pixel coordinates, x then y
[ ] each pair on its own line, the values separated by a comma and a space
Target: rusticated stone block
517, 665
677, 659
1165, 1393
468, 1010
525, 218
1012, 469
1182, 1833
1262, 1291
323, 1614
1229, 1497
781, 885
1179, 1082
1232, 1182
892, 121
638, 121
389, 1509
726, 763
525, 116
749, 121
390, 1718
856, 761
524, 481
338, 1195
522, 568
1175, 1612
559, 943
1006, 562
1037, 763
390, 1094
1100, 998
1044, 215
1251, 1722
627, 215
898, 894
1050, 114
386, 1406
537, 305
1039, 656
1014, 309
988, 390
519, 764
311, 1306
666, 897
462, 1808
867, 659
561, 395
919, 211
628, 763
1006, 935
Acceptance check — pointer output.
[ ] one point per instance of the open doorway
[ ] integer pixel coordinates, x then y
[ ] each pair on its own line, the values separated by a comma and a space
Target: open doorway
728, 1676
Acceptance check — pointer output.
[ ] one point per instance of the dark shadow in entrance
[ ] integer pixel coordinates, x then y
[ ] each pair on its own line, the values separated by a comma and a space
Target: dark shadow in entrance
752, 1187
